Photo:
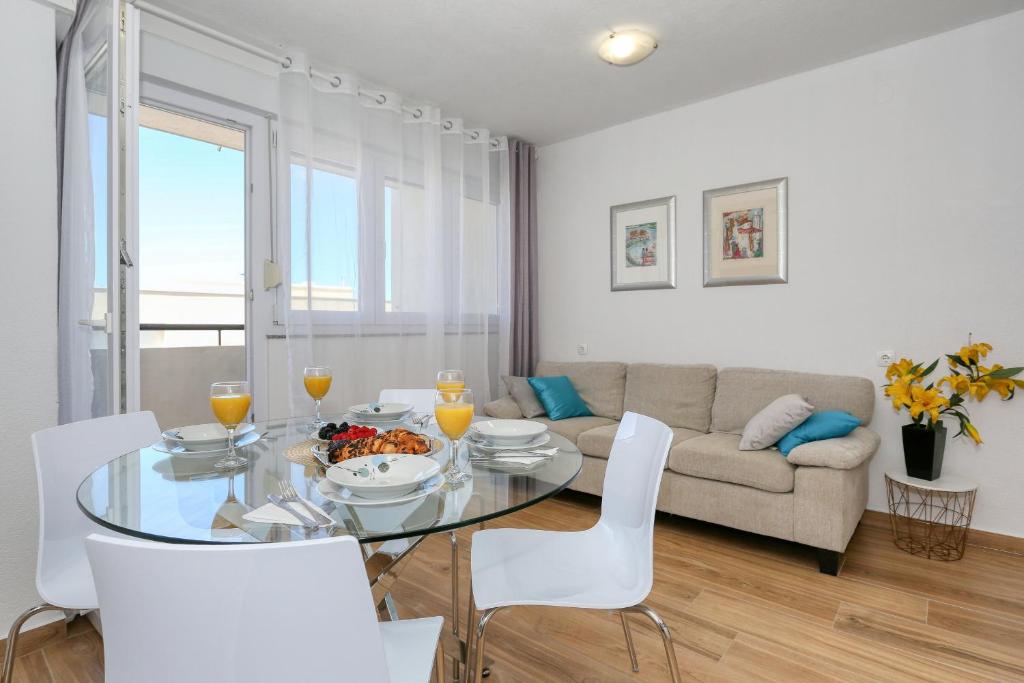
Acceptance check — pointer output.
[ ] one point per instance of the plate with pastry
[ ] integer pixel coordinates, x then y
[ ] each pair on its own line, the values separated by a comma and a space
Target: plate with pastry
398, 441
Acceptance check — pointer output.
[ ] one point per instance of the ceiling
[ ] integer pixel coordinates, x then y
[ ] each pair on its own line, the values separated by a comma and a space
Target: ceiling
529, 67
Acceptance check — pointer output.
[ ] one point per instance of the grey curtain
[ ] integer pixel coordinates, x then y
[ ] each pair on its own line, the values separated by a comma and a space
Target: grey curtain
522, 181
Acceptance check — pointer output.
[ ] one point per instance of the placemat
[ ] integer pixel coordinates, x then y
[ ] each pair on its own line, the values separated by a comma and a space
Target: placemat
302, 453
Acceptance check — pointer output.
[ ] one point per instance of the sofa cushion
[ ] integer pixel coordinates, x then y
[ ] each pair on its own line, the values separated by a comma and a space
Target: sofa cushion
598, 441
600, 385
572, 427
718, 456
559, 397
678, 395
523, 394
505, 408
774, 421
742, 392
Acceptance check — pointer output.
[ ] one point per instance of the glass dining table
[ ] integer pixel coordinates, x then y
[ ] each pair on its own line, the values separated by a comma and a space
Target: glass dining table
183, 498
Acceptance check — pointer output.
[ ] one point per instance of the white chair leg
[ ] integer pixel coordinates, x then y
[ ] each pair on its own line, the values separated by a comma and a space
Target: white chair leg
12, 638
480, 640
666, 637
629, 642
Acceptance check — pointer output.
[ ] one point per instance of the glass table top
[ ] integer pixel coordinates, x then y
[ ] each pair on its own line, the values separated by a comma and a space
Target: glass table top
154, 495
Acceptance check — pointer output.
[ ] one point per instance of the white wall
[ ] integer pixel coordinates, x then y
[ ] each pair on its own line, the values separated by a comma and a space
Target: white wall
906, 172
28, 336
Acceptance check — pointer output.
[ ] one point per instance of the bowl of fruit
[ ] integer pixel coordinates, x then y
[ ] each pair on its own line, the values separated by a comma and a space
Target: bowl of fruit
337, 444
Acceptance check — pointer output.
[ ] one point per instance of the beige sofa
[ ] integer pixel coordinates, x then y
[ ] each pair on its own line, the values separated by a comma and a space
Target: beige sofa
816, 496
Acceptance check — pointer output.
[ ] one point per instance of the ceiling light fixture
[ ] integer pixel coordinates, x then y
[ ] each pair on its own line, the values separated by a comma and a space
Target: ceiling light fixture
624, 48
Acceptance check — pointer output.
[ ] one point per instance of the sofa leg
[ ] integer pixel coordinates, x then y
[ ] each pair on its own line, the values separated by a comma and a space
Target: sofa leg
828, 561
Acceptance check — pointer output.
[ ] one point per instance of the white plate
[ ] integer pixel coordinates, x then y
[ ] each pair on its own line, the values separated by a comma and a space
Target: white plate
492, 448
179, 450
205, 436
405, 473
331, 491
508, 432
387, 411
512, 462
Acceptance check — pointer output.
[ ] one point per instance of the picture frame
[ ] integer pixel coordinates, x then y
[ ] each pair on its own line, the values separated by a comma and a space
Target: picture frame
643, 244
746, 233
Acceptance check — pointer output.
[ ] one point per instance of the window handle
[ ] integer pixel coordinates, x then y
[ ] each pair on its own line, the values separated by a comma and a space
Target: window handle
126, 259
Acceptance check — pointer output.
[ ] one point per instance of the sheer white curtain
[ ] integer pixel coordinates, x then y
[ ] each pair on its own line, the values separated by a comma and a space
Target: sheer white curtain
77, 249
393, 241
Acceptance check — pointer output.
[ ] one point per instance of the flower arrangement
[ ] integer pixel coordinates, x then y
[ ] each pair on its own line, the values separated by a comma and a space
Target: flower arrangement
967, 378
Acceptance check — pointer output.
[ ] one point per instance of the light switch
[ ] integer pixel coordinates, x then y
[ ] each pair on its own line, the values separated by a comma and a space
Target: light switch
885, 358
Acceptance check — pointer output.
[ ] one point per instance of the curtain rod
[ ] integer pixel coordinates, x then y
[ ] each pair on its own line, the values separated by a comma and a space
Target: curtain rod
285, 62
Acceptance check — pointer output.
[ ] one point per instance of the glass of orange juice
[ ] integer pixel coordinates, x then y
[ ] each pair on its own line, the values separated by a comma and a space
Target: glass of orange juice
230, 403
318, 383
451, 380
453, 410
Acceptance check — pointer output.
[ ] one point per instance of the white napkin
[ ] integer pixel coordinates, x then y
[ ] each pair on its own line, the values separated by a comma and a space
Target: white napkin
271, 514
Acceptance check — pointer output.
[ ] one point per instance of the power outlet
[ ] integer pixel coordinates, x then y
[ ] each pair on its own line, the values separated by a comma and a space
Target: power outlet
884, 359
582, 349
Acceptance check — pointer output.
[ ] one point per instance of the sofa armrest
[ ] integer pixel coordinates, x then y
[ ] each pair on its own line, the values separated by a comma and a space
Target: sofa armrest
505, 407
844, 453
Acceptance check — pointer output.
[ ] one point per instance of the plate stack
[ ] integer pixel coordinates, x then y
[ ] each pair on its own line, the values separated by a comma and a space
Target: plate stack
381, 479
378, 412
203, 440
507, 445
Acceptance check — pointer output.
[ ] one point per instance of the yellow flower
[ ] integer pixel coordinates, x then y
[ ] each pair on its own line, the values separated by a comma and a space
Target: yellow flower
899, 392
971, 354
1003, 386
926, 401
972, 432
958, 384
903, 370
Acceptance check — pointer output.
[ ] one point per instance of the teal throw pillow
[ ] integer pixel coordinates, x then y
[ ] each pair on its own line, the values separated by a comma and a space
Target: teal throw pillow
559, 397
830, 424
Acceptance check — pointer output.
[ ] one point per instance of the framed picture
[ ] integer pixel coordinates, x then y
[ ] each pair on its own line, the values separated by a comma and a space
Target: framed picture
644, 244
745, 234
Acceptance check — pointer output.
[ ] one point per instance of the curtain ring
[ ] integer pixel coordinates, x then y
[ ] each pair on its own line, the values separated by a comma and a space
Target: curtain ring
418, 113
381, 99
336, 82
474, 135
447, 125
494, 142
287, 63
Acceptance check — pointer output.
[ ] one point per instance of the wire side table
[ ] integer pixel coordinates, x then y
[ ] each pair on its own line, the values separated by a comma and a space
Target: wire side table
930, 518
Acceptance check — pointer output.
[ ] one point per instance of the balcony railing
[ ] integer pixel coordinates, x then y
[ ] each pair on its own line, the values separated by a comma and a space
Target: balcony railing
219, 328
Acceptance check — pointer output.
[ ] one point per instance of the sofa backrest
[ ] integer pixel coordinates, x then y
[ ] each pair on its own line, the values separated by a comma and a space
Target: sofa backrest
742, 392
678, 395
602, 386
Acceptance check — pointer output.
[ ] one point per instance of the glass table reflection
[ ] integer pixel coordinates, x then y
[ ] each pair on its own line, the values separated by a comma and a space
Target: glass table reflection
157, 496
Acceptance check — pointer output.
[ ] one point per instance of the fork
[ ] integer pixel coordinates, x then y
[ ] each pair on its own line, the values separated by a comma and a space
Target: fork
290, 495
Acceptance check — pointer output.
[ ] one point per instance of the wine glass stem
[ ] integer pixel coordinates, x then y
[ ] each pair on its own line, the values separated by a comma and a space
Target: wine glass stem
453, 464
317, 401
231, 442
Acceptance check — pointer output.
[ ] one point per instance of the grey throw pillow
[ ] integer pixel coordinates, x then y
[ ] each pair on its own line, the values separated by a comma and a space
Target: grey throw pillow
524, 396
774, 421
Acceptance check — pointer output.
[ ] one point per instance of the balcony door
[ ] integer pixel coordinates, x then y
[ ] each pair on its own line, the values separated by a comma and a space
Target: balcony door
193, 249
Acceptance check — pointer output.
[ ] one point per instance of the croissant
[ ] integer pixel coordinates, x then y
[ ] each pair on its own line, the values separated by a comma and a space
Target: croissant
396, 441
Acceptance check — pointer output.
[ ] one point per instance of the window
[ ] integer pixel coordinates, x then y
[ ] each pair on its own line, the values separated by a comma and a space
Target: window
324, 252
364, 247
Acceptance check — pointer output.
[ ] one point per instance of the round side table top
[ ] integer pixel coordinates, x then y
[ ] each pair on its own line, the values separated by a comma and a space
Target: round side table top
950, 483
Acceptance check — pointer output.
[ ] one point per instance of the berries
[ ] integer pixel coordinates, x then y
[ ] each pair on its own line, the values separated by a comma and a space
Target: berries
328, 431
352, 433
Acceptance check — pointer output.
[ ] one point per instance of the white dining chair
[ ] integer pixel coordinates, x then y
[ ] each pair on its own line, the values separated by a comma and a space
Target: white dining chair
608, 567
296, 611
421, 400
64, 456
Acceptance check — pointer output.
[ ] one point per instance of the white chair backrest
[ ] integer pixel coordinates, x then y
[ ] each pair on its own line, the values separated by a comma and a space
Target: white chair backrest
65, 455
632, 480
421, 400
299, 611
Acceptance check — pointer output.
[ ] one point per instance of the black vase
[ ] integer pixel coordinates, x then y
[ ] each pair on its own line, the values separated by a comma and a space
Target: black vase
922, 450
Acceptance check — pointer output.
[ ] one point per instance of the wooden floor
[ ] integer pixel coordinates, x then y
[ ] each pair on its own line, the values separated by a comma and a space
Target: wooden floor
741, 607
